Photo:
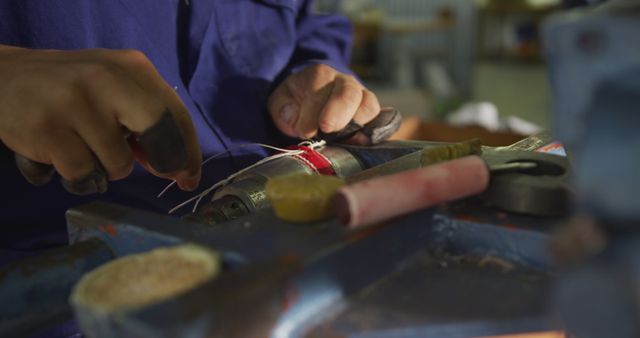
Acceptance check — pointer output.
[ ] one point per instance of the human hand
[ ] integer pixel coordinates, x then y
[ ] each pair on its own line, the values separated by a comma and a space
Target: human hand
88, 114
320, 98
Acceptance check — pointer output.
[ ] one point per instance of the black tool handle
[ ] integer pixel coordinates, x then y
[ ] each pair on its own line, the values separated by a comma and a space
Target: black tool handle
376, 131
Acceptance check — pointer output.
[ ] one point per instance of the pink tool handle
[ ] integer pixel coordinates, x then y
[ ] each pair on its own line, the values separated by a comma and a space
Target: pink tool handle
376, 200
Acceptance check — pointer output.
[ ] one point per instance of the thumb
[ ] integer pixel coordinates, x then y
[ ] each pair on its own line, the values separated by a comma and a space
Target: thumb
284, 110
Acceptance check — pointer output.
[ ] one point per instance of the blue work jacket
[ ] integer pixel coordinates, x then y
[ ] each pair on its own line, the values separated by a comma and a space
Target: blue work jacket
222, 56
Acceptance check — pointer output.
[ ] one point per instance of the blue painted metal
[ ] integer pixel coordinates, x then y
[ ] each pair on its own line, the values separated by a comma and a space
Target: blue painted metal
34, 292
255, 238
480, 273
598, 298
594, 58
332, 265
283, 279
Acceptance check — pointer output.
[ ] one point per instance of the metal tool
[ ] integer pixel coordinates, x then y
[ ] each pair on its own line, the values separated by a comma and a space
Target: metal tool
421, 158
375, 131
519, 181
282, 298
595, 72
542, 189
522, 180
282, 279
532, 192
245, 194
320, 267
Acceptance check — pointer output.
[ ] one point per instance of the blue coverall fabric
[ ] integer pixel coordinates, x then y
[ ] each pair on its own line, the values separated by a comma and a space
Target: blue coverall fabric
222, 56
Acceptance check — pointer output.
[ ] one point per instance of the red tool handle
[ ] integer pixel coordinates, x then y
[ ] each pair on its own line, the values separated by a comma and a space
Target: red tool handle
376, 200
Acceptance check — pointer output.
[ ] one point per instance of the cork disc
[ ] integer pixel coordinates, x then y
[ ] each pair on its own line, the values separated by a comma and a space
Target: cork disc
303, 198
140, 280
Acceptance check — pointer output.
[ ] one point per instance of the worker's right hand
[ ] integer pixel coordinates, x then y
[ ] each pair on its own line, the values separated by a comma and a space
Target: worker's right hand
89, 113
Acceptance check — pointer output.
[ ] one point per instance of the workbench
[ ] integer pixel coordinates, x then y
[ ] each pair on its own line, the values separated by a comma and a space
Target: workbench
460, 270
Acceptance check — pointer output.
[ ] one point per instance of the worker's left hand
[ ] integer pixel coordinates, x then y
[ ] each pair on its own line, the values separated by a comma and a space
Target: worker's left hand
320, 98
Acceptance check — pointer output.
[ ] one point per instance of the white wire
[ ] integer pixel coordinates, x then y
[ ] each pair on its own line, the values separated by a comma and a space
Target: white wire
284, 153
220, 183
246, 145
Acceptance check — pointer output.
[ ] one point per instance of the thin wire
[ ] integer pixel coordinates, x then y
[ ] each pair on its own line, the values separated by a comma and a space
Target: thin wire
164, 191
285, 152
236, 174
201, 195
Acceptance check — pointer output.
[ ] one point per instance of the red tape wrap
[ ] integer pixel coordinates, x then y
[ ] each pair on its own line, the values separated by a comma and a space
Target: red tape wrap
314, 160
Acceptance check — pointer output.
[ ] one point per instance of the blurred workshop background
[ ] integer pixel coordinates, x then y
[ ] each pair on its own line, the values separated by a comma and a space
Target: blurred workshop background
465, 62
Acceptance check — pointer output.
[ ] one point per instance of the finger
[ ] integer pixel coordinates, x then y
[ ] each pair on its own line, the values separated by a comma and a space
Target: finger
313, 78
106, 139
367, 112
36, 173
369, 108
307, 125
74, 161
161, 148
284, 110
346, 133
163, 145
111, 92
92, 183
138, 109
117, 98
144, 72
312, 87
346, 96
383, 126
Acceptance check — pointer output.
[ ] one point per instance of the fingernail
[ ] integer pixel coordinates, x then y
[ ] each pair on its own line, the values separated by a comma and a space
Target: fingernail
289, 113
189, 184
95, 182
38, 174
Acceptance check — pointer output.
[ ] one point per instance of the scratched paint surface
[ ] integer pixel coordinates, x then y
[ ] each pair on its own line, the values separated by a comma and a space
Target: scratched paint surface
441, 294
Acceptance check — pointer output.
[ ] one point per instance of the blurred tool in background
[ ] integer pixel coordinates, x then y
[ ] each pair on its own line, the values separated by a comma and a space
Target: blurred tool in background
594, 57
513, 178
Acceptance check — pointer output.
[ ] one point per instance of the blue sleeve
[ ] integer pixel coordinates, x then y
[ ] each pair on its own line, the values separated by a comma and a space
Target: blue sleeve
320, 38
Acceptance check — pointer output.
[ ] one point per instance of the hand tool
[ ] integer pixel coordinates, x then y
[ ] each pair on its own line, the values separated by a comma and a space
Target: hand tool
374, 132
280, 279
364, 203
258, 290
421, 158
543, 190
261, 290
595, 76
245, 194
521, 181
